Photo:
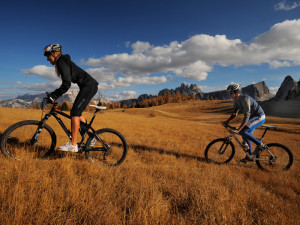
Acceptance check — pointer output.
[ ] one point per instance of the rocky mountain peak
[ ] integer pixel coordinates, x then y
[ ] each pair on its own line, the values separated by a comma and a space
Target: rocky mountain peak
26, 100
259, 91
188, 90
289, 89
184, 89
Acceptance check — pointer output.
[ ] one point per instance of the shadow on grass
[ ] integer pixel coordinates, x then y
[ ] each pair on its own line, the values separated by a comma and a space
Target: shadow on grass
140, 148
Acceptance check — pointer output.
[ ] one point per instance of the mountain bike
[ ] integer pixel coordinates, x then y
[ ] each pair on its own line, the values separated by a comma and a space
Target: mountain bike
36, 139
275, 157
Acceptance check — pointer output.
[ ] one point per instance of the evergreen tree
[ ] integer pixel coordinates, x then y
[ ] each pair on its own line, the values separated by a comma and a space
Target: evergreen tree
65, 106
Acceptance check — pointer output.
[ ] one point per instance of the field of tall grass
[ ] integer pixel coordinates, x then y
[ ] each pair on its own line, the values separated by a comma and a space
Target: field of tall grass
164, 179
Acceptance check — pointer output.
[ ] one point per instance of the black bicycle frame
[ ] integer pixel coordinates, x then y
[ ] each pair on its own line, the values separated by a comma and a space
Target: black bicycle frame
54, 112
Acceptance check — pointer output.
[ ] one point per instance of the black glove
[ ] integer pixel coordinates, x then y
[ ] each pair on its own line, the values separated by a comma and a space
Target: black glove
50, 98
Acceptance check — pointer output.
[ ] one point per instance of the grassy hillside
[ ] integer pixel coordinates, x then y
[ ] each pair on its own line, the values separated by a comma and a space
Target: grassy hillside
164, 179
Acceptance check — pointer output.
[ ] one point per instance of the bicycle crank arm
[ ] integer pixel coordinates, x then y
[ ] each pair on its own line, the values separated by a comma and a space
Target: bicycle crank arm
99, 149
265, 159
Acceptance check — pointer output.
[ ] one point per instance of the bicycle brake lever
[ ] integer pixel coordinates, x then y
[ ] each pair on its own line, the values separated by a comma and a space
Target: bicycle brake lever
233, 131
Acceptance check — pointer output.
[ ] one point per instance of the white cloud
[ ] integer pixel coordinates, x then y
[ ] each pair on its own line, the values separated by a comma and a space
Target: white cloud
121, 96
141, 47
273, 90
195, 57
195, 71
286, 6
42, 71
101, 74
37, 87
122, 82
276, 64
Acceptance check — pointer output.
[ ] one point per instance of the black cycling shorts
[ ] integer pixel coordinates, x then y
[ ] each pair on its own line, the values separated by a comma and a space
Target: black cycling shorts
85, 95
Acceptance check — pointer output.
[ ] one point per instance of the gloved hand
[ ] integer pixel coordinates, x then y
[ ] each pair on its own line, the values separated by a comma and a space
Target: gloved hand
50, 98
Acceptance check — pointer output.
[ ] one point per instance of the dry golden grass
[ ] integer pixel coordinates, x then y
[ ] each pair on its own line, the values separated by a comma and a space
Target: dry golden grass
164, 179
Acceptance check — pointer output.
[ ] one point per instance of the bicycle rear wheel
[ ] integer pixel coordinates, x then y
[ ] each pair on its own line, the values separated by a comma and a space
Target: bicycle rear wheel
25, 140
111, 150
277, 158
219, 151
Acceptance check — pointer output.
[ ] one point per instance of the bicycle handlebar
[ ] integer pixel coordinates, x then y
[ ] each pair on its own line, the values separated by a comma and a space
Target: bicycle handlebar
47, 102
230, 128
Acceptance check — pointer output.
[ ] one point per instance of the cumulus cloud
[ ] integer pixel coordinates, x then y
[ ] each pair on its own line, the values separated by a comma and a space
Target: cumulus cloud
273, 90
122, 82
193, 58
101, 74
42, 71
141, 47
121, 96
37, 87
286, 6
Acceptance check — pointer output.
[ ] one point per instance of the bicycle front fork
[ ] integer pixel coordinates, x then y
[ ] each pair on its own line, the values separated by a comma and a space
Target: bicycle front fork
224, 145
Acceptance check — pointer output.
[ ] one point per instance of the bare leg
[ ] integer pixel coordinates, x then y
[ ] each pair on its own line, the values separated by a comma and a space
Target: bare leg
75, 124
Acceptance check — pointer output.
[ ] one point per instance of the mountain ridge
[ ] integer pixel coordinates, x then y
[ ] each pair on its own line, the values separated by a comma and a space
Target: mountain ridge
258, 91
289, 90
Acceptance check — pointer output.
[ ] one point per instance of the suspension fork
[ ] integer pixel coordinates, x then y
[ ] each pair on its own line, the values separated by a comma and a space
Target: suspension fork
38, 131
225, 144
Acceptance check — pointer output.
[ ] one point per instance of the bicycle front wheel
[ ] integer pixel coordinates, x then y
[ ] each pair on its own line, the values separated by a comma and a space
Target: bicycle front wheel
277, 158
27, 140
111, 149
219, 151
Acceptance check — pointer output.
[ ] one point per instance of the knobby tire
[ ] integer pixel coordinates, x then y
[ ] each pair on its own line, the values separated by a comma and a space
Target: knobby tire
15, 141
280, 159
219, 151
115, 153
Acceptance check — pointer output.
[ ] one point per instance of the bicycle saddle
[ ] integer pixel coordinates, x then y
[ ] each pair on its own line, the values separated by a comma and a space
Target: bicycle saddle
269, 126
98, 107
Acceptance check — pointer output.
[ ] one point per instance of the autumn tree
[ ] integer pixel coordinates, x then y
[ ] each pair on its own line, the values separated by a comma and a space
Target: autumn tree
177, 97
194, 97
167, 97
65, 106
160, 100
35, 106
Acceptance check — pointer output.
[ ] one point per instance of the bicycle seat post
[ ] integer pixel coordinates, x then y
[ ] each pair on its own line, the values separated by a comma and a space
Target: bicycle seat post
264, 133
95, 113
98, 108
267, 128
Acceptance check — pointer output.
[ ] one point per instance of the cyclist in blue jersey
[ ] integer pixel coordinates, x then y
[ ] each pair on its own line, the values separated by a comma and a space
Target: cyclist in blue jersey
254, 116
69, 72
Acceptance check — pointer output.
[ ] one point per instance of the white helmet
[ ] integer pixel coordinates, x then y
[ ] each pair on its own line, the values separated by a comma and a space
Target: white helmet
52, 48
234, 88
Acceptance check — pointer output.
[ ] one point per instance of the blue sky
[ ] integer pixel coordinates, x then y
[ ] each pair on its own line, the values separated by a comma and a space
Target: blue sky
134, 47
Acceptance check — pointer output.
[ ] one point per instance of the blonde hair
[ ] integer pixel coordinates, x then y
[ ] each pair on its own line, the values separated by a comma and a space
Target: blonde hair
56, 69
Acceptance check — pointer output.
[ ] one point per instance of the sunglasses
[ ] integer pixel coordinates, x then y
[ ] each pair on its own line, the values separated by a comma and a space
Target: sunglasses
47, 54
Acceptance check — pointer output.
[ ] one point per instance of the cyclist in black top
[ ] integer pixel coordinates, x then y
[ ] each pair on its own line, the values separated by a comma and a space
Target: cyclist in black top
69, 72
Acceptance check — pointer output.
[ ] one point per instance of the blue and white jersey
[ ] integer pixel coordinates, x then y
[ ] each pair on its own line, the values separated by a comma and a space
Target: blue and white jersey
248, 106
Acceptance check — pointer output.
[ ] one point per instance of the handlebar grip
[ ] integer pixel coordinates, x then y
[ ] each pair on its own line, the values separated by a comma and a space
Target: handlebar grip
51, 99
230, 127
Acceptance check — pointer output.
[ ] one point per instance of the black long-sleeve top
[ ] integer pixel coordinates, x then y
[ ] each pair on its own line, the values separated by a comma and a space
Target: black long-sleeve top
70, 72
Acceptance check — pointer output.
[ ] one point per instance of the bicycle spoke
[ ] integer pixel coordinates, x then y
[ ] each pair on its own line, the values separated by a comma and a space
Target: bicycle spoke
111, 150
276, 158
219, 151
21, 141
